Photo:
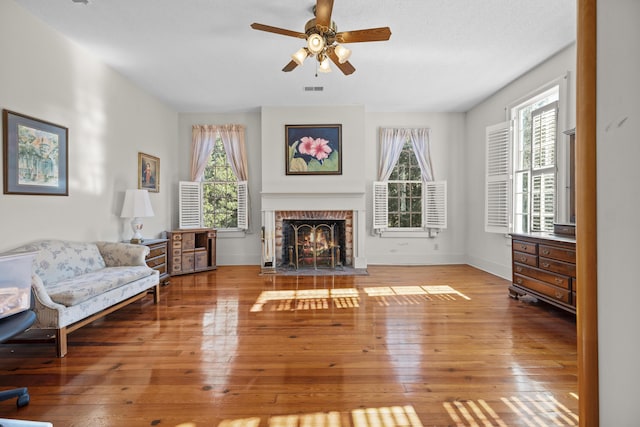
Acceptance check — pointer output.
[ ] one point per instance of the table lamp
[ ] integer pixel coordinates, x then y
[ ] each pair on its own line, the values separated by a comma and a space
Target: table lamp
136, 205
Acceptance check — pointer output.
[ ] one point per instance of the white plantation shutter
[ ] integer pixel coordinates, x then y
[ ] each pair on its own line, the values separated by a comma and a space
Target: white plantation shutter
498, 193
435, 201
190, 200
544, 124
380, 206
243, 202
543, 136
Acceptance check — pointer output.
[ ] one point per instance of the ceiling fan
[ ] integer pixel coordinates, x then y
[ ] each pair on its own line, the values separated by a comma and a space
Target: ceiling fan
323, 40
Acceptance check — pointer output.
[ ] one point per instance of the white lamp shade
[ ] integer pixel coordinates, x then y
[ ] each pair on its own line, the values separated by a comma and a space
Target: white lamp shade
324, 66
342, 53
136, 204
300, 56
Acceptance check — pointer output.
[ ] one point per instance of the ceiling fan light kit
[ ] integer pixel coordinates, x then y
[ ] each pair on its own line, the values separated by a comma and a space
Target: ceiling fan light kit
300, 55
323, 40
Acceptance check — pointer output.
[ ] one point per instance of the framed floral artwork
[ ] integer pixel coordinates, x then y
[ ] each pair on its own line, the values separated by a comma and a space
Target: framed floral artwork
148, 173
313, 149
35, 156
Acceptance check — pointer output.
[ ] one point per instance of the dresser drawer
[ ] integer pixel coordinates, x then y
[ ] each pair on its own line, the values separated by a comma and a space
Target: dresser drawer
154, 262
525, 258
522, 246
560, 254
155, 251
554, 292
557, 266
544, 276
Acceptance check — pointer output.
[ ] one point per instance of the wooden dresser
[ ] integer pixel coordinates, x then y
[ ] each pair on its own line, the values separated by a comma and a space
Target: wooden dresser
191, 250
544, 266
157, 258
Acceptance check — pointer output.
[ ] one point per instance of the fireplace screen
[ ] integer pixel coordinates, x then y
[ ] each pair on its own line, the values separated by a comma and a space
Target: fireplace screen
313, 244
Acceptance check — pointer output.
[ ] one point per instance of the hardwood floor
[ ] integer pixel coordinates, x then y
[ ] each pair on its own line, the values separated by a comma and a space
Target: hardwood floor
232, 348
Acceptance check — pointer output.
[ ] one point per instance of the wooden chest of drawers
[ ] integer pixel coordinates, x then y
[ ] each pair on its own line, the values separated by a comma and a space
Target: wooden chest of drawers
192, 250
157, 258
544, 266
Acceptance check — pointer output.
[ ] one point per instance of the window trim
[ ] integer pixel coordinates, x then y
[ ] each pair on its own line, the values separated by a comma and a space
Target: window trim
562, 167
563, 174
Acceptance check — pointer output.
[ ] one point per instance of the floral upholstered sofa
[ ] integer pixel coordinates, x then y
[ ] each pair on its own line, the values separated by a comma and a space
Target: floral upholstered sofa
76, 283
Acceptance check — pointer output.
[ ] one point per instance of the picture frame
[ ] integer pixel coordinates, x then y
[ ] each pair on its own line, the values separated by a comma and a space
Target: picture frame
313, 149
35, 156
148, 173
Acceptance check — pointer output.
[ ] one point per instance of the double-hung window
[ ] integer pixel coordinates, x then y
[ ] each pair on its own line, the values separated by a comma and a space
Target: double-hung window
220, 189
523, 174
217, 197
406, 198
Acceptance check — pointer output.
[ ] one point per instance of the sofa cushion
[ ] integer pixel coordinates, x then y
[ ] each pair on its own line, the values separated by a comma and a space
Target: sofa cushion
81, 288
61, 260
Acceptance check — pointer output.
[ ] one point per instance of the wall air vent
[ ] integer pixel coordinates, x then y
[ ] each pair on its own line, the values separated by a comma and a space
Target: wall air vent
313, 88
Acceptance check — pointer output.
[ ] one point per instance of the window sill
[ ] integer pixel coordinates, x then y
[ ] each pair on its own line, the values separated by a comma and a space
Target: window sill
413, 233
230, 233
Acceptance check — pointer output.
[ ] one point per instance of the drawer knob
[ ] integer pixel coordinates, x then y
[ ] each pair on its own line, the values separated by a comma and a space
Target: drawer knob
519, 269
524, 247
519, 281
558, 295
545, 264
558, 280
546, 252
523, 258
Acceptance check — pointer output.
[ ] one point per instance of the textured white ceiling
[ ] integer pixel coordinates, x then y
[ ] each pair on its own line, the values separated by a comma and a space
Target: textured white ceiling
202, 56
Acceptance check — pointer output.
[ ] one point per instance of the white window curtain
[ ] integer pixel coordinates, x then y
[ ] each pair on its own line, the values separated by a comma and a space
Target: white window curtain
203, 138
420, 141
233, 140
391, 142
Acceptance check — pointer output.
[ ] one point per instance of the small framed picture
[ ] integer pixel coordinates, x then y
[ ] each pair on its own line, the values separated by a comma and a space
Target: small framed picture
35, 156
313, 149
148, 173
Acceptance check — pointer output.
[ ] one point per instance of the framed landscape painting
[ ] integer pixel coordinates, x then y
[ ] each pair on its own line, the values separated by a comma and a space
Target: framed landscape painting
35, 156
313, 149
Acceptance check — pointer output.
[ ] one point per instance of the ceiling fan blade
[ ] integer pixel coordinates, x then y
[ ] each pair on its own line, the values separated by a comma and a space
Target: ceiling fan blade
323, 13
368, 35
346, 68
290, 66
276, 30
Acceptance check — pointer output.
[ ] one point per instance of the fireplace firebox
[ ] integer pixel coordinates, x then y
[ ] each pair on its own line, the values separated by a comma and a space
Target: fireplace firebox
314, 244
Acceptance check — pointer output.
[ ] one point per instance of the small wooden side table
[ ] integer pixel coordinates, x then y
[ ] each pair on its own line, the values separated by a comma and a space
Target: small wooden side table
157, 258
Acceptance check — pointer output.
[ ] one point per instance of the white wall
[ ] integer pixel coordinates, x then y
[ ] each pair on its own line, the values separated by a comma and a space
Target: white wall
618, 177
44, 75
489, 251
274, 179
231, 248
265, 146
447, 150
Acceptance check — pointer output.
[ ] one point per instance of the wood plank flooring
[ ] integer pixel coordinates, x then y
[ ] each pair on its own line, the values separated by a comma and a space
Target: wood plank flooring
403, 346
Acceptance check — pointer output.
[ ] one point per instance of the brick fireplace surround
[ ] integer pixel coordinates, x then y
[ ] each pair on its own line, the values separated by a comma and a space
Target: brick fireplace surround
346, 216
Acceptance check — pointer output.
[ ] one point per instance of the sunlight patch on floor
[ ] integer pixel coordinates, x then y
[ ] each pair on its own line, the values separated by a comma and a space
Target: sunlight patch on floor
414, 294
392, 416
542, 411
307, 299
323, 299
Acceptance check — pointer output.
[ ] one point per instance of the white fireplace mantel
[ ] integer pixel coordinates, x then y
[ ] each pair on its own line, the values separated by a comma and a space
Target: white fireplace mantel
272, 201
